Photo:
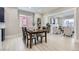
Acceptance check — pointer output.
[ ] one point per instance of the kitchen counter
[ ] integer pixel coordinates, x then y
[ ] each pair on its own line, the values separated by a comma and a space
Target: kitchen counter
2, 31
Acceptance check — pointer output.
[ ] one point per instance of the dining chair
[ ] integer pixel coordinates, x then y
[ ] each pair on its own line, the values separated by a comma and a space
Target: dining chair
41, 35
27, 37
68, 31
24, 35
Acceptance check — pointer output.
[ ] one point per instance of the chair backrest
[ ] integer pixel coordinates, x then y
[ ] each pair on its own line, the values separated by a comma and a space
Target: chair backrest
44, 27
24, 31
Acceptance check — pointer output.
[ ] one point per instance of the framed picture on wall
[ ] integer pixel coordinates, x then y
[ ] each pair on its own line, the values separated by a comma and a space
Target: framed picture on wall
53, 20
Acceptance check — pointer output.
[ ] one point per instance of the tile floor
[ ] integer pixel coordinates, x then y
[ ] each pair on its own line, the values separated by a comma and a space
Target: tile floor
55, 43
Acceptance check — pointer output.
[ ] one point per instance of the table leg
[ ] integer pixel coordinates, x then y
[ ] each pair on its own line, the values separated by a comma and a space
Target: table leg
46, 37
41, 39
37, 37
30, 40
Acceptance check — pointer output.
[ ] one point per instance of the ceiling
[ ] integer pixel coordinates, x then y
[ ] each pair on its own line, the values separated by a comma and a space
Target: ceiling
38, 9
66, 13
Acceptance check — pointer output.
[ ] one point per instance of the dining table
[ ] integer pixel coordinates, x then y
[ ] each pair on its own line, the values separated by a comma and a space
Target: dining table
31, 32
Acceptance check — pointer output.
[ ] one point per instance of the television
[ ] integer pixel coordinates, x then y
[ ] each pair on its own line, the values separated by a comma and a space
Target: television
1, 14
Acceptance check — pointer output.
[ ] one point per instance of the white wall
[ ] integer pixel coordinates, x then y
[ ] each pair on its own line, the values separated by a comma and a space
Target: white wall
76, 25
11, 22
45, 19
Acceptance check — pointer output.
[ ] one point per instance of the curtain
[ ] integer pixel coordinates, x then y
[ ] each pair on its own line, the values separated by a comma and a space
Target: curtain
25, 21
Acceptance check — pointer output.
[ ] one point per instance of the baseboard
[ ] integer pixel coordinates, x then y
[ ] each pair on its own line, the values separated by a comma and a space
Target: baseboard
20, 34
13, 36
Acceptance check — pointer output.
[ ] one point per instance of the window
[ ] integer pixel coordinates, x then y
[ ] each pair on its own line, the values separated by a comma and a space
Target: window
68, 22
25, 21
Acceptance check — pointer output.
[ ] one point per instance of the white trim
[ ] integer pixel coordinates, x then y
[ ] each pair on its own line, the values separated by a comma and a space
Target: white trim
60, 12
11, 36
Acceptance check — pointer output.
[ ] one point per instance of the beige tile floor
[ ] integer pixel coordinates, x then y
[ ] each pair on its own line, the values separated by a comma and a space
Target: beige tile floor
55, 43
0, 45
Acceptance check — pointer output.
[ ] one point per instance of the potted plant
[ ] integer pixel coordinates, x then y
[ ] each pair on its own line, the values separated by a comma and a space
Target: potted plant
48, 27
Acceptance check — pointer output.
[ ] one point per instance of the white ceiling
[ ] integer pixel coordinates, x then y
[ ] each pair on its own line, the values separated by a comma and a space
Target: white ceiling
38, 9
69, 13
42, 10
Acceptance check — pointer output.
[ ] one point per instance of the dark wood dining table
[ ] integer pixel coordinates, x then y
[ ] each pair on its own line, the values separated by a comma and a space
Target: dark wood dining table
36, 32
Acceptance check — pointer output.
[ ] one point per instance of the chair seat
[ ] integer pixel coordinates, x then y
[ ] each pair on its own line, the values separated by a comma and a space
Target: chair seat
33, 37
